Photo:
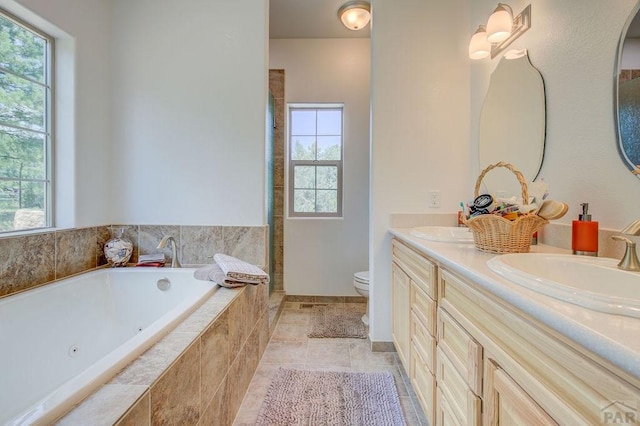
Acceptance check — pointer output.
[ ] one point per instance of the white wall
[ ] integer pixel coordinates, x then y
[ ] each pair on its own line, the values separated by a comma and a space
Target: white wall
321, 255
83, 127
420, 124
189, 101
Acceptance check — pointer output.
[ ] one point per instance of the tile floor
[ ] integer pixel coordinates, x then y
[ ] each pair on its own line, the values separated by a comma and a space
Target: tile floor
290, 347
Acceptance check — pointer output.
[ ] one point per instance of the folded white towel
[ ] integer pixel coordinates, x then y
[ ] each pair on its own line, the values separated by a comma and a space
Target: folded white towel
215, 274
238, 273
238, 270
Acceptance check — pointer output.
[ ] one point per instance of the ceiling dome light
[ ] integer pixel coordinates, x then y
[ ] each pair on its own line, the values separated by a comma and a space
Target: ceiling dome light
500, 24
479, 46
355, 15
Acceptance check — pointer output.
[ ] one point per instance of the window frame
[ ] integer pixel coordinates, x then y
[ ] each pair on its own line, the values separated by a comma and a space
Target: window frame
339, 164
49, 117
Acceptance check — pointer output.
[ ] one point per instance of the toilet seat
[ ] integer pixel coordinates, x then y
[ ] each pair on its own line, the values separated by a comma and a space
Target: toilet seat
361, 284
361, 277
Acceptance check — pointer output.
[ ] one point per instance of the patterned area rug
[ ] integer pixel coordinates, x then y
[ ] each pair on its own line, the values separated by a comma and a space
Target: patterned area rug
298, 397
337, 320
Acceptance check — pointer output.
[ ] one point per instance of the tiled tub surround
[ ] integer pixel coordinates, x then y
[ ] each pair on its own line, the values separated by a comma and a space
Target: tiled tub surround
96, 323
276, 87
34, 259
196, 375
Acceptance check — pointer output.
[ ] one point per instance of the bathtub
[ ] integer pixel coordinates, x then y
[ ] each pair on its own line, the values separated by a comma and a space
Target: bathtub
61, 341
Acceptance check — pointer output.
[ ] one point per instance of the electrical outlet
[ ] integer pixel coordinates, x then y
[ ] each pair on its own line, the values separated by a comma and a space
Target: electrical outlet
434, 199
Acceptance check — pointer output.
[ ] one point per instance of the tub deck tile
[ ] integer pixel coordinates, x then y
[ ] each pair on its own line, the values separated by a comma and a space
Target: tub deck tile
105, 406
150, 365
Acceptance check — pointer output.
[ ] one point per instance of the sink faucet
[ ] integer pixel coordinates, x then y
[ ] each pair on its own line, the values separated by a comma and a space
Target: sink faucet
174, 250
629, 261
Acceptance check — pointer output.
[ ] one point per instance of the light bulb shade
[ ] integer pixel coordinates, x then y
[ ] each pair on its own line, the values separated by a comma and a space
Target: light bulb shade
500, 24
355, 15
479, 46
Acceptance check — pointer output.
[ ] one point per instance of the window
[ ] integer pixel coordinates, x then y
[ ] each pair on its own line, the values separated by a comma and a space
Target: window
315, 160
25, 125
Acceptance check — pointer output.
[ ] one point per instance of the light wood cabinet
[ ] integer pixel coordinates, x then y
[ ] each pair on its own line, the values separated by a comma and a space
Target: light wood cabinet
416, 345
559, 381
473, 359
464, 353
508, 405
400, 321
463, 403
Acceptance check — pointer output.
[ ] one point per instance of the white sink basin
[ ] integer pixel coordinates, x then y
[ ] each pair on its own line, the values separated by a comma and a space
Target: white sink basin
447, 234
594, 283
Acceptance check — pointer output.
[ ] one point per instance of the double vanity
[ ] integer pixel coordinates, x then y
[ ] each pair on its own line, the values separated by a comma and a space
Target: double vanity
537, 338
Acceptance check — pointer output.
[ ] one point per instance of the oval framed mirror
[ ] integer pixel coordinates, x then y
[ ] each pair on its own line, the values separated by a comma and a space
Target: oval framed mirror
512, 123
627, 92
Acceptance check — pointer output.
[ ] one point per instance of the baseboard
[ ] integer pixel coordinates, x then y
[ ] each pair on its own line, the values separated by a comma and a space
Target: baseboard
382, 347
325, 299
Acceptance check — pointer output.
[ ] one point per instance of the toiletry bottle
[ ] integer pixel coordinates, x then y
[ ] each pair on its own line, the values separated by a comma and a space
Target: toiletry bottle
584, 235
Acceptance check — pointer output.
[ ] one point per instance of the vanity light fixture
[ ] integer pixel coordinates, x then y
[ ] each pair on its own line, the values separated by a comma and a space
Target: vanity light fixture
502, 29
355, 15
500, 23
479, 46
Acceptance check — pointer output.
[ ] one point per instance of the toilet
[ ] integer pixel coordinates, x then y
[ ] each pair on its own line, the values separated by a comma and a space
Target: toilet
361, 284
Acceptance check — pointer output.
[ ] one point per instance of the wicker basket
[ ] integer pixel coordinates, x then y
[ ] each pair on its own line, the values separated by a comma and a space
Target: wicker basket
495, 234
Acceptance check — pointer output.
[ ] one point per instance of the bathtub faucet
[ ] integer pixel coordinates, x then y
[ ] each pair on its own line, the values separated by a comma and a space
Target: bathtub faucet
174, 250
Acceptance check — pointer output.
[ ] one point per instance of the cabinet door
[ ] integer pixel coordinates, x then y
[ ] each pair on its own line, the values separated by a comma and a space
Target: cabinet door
445, 414
508, 404
462, 403
400, 284
463, 351
424, 384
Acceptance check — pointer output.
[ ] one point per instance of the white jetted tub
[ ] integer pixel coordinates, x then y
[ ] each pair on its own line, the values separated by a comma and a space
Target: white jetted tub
61, 341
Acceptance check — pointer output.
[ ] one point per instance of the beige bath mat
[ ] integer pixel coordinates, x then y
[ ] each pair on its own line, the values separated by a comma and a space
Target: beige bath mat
300, 397
338, 320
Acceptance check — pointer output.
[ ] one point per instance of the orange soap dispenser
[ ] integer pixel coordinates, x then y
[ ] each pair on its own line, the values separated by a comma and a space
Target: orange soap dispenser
584, 235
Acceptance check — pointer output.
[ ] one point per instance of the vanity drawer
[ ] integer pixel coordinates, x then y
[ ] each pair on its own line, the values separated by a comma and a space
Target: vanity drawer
445, 415
422, 271
463, 351
424, 308
424, 343
424, 384
463, 403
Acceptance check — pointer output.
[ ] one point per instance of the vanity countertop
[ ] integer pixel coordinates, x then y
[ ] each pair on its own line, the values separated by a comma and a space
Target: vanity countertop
614, 338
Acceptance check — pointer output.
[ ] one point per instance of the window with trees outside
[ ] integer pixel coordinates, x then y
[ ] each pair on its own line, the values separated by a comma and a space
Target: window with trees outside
25, 125
315, 160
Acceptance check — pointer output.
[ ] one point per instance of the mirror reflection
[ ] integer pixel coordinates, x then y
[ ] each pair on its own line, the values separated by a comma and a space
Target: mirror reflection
629, 95
512, 123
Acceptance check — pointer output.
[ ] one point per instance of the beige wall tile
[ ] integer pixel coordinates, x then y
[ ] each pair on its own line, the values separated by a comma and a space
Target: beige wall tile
278, 208
236, 327
278, 172
215, 356
217, 412
26, 261
200, 243
150, 365
104, 407
75, 251
175, 397
278, 284
241, 372
247, 243
276, 83
263, 330
139, 414
102, 236
149, 237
